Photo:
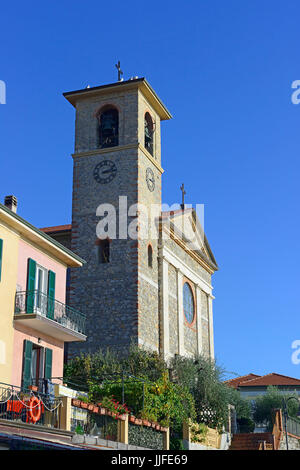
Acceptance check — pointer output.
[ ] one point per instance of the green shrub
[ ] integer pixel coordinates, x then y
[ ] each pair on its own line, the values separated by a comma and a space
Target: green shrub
246, 425
266, 404
194, 389
198, 432
204, 380
176, 443
83, 398
79, 429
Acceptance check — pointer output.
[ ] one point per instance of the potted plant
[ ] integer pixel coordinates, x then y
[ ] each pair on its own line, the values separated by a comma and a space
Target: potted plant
79, 429
146, 423
113, 407
83, 401
131, 418
76, 402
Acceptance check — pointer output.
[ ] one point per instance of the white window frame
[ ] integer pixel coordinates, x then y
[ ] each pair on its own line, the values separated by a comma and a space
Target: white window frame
40, 306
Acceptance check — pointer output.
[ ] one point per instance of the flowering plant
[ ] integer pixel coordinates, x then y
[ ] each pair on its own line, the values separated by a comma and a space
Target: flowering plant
114, 406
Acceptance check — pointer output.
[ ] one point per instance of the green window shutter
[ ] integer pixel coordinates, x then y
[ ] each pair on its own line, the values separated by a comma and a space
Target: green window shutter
51, 294
1, 250
27, 354
30, 285
48, 363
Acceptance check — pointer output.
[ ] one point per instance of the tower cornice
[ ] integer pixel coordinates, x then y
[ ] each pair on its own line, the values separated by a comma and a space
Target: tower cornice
134, 84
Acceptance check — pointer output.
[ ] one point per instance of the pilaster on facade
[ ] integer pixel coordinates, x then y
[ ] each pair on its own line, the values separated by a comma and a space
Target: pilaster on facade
186, 270
180, 313
211, 327
199, 320
165, 340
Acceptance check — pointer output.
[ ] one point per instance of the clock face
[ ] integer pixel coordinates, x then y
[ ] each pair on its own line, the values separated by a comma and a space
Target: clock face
150, 179
105, 171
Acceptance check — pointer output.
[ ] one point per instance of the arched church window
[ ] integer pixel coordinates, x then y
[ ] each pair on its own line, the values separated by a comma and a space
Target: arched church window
150, 256
108, 127
188, 303
149, 133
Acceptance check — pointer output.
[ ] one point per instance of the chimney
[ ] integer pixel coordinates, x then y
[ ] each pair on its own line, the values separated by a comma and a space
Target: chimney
11, 202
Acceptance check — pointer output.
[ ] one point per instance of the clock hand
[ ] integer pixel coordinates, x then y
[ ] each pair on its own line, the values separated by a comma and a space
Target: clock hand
107, 171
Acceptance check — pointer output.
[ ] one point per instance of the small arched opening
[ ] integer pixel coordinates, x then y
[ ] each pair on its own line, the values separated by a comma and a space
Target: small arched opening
149, 133
108, 127
150, 256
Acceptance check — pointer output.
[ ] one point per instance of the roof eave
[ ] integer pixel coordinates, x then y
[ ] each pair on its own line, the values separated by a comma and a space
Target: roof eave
138, 83
40, 238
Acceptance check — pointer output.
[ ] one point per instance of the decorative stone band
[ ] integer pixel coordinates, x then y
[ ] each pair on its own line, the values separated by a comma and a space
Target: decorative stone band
120, 148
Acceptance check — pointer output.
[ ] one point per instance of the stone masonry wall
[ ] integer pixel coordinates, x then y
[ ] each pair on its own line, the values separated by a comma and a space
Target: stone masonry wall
148, 300
293, 443
120, 298
190, 332
173, 310
105, 292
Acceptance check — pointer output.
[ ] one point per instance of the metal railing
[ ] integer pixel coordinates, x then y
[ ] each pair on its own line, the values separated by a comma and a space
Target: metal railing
29, 407
293, 426
102, 426
39, 303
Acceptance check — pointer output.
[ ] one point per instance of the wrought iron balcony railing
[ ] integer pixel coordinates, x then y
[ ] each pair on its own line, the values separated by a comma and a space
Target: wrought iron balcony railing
28, 302
20, 405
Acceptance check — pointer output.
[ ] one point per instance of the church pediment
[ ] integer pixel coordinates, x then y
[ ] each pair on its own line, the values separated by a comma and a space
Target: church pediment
186, 228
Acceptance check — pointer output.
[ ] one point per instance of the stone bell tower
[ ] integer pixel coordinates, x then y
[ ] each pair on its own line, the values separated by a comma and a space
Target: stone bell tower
117, 155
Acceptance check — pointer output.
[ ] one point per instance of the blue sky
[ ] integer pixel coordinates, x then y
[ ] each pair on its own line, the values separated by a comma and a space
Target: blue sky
224, 69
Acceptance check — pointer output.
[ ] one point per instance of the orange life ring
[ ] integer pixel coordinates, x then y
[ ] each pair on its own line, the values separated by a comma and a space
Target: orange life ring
35, 409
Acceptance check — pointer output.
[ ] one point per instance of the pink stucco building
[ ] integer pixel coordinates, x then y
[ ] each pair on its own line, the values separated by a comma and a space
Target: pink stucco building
40, 323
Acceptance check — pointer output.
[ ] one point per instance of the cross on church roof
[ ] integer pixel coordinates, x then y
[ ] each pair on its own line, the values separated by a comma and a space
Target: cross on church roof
183, 194
118, 66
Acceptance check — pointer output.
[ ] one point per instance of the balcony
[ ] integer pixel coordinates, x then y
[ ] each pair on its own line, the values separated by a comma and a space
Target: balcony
49, 316
16, 404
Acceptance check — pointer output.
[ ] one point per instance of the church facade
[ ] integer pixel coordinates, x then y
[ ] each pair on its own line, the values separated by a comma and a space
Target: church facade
143, 281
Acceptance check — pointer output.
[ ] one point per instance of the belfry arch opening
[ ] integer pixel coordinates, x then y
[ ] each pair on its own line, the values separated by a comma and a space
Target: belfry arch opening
149, 133
108, 119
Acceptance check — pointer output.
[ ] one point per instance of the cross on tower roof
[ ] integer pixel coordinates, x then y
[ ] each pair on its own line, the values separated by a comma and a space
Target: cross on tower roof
118, 66
183, 194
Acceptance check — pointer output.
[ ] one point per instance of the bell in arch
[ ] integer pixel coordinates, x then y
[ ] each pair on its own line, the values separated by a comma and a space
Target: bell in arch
149, 131
108, 122
109, 128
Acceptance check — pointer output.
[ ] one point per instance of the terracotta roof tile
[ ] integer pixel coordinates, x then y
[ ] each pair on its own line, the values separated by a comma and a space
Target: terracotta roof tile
234, 383
58, 228
270, 379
